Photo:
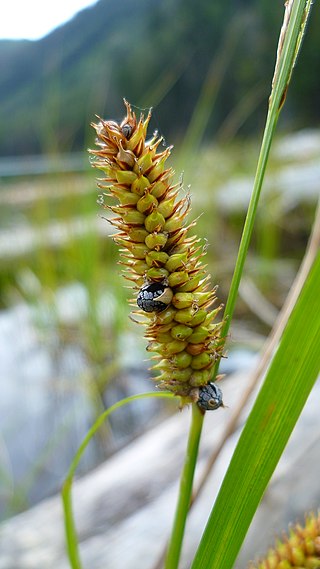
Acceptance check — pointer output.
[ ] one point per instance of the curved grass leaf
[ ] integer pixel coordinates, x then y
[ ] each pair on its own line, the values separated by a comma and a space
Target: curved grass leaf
290, 378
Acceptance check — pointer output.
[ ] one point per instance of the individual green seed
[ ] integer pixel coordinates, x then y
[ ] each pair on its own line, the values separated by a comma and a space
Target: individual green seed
202, 298
166, 207
138, 235
157, 274
181, 360
140, 185
172, 224
144, 162
164, 337
138, 250
156, 258
133, 217
172, 348
182, 375
200, 377
182, 299
124, 196
199, 317
190, 316
125, 176
147, 203
166, 316
158, 168
176, 261
201, 361
190, 285
156, 240
199, 334
159, 188
140, 267
154, 222
177, 278
181, 332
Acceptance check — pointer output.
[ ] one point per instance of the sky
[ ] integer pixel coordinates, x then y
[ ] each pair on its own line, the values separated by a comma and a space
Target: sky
33, 19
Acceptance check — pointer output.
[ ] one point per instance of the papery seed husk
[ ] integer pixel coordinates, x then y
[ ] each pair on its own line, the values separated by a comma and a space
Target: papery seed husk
196, 349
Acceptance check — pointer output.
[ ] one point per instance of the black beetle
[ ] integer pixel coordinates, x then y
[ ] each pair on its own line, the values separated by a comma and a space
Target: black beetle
126, 130
210, 397
154, 297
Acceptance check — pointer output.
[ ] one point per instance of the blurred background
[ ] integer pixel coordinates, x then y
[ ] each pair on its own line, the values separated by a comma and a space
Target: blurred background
67, 346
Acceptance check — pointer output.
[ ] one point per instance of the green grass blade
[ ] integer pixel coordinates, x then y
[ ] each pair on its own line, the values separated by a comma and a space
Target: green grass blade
283, 70
291, 376
69, 524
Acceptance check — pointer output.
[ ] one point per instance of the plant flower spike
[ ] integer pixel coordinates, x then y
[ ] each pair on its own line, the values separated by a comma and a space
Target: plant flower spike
301, 548
161, 260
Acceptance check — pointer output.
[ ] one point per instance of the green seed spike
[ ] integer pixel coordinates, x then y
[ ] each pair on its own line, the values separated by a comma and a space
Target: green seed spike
160, 259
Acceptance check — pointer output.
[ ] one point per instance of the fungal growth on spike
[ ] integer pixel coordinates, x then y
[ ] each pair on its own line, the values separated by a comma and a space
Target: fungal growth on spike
161, 259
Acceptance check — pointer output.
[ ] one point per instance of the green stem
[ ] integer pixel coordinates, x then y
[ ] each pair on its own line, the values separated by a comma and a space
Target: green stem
185, 490
291, 44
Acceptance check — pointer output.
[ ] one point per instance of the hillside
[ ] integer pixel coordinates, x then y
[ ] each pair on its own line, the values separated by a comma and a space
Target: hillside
154, 53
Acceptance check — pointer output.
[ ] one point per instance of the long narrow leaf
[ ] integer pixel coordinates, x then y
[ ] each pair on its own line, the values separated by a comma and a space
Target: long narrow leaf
288, 383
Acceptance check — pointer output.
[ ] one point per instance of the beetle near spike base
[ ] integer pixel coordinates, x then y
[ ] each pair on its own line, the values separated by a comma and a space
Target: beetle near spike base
210, 397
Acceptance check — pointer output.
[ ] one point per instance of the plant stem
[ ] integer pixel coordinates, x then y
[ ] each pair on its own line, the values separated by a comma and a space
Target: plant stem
185, 489
290, 40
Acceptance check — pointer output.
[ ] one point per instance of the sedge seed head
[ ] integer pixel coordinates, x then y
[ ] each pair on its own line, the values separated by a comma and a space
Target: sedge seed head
161, 260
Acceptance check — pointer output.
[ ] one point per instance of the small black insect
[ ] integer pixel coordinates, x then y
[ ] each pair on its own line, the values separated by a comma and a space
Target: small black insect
210, 397
154, 297
126, 130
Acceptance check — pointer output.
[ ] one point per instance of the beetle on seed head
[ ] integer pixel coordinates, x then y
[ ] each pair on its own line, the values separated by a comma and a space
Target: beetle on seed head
210, 397
126, 130
154, 297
